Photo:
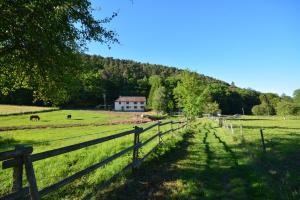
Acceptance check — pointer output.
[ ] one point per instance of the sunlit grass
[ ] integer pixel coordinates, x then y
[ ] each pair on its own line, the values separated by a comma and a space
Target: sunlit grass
60, 117
13, 109
51, 170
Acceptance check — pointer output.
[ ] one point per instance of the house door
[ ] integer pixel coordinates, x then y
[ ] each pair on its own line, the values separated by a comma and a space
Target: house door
122, 108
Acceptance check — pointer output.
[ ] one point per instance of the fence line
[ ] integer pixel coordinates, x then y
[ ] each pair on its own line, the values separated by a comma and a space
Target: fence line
22, 156
230, 127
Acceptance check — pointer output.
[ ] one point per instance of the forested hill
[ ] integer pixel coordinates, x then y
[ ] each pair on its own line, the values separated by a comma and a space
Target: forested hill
102, 78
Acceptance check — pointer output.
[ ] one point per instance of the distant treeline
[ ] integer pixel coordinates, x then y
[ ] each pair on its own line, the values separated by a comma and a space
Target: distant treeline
41, 64
101, 80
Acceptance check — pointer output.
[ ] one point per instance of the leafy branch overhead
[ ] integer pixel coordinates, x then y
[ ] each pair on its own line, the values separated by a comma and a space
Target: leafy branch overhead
40, 40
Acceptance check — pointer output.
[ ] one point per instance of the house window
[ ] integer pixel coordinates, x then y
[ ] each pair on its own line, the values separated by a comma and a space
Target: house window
135, 107
142, 103
119, 102
142, 107
127, 107
135, 102
127, 102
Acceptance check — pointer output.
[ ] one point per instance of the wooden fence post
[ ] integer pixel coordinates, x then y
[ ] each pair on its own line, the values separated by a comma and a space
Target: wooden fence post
231, 127
33, 189
263, 140
136, 142
220, 122
18, 172
34, 193
159, 133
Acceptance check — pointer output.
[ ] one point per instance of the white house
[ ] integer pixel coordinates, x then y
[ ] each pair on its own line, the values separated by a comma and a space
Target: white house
129, 103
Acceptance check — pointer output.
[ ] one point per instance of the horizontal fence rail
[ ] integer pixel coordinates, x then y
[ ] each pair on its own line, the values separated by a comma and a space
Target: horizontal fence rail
63, 150
22, 157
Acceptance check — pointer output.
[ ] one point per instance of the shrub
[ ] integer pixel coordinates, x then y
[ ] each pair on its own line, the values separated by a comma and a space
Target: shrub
263, 109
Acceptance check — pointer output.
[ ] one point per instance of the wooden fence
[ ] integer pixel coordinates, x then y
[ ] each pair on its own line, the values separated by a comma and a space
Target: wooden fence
22, 156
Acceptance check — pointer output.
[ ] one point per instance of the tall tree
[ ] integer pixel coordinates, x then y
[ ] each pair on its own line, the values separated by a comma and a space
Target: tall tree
285, 108
297, 96
39, 41
159, 99
190, 94
155, 82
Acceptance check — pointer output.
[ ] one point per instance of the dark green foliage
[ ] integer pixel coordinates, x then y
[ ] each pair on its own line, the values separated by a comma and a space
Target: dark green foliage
99, 77
297, 97
159, 101
190, 94
268, 104
39, 43
262, 109
285, 108
155, 82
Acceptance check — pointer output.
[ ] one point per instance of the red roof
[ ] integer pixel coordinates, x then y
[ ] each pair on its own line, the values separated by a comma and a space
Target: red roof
131, 99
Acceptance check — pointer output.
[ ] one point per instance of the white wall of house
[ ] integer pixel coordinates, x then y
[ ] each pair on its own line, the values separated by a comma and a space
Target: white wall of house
130, 106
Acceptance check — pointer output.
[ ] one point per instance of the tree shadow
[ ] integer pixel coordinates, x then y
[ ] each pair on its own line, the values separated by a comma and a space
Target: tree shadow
252, 119
269, 127
151, 174
200, 172
10, 143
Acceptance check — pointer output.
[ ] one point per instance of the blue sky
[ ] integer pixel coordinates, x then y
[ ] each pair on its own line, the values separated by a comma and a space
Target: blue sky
255, 43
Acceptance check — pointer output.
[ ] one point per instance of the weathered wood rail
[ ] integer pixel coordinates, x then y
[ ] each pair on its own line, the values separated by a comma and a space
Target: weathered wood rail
22, 156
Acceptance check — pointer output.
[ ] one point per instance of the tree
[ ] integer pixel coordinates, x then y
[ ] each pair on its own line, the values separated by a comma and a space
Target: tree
212, 108
159, 99
261, 109
190, 94
155, 82
269, 102
287, 98
285, 108
296, 96
40, 41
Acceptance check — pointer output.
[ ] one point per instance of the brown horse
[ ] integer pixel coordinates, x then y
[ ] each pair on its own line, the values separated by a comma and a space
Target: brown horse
34, 117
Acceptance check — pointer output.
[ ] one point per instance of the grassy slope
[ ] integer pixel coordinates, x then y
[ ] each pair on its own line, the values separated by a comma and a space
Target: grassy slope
59, 117
208, 163
11, 109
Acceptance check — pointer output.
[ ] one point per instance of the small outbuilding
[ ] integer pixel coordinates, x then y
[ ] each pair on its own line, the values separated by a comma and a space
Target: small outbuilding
130, 104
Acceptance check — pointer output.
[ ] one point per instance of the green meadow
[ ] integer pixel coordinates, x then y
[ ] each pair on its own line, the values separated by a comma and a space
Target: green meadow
203, 162
60, 118
14, 109
51, 170
212, 163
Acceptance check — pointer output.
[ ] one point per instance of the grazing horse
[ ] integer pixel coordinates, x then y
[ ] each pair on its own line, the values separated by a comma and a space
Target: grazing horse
69, 116
34, 117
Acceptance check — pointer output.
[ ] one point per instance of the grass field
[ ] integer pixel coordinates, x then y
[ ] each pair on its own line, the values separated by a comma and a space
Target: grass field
211, 163
12, 109
59, 118
204, 163
54, 169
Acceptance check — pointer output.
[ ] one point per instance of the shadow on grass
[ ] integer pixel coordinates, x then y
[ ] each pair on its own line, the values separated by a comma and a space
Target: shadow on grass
9, 143
270, 127
194, 169
250, 119
146, 182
